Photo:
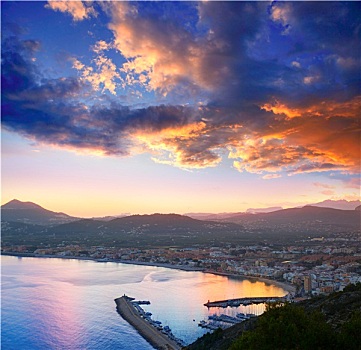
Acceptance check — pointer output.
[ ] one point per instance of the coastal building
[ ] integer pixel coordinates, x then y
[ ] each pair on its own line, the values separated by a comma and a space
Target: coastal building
307, 284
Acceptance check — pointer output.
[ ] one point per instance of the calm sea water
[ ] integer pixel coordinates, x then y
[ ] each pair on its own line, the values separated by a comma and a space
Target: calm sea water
69, 304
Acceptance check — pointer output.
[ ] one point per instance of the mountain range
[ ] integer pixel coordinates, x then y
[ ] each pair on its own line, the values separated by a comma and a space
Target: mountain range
307, 214
32, 213
329, 203
338, 204
26, 222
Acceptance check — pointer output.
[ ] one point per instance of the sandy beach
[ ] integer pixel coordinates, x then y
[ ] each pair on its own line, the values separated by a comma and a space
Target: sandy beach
286, 286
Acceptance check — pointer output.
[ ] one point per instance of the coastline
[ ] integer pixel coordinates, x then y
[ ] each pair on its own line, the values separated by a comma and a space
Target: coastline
290, 288
167, 266
284, 285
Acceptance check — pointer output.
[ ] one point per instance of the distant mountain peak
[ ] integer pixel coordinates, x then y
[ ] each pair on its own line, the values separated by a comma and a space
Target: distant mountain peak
16, 204
263, 210
31, 213
338, 204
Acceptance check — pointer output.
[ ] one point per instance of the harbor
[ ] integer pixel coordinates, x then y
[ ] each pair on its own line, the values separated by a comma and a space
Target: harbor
224, 321
158, 336
244, 301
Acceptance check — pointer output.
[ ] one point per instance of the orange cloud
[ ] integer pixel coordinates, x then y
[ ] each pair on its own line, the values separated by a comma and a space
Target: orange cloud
278, 108
282, 14
348, 109
311, 142
328, 192
103, 78
101, 46
159, 54
354, 183
314, 138
76, 9
319, 184
175, 146
271, 176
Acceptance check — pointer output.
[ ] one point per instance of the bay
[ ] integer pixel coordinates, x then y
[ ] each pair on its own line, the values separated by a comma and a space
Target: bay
50, 303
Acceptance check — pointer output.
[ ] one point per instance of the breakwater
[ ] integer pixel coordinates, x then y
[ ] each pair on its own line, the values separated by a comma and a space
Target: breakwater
243, 301
149, 332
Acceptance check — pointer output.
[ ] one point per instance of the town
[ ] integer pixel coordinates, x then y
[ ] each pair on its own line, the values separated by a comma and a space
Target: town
310, 267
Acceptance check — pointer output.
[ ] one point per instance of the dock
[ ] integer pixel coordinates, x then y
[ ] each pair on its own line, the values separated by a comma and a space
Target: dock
243, 301
150, 333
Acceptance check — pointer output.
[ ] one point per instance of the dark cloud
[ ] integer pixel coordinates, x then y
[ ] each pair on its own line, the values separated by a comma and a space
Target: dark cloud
332, 26
328, 39
11, 28
47, 110
17, 73
280, 82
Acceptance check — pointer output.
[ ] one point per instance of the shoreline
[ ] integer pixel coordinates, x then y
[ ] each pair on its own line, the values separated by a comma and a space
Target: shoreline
284, 285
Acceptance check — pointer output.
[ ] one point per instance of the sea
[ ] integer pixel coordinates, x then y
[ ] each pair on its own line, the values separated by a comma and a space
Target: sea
51, 303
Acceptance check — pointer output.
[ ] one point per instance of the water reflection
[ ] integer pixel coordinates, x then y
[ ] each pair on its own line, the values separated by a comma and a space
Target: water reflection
71, 303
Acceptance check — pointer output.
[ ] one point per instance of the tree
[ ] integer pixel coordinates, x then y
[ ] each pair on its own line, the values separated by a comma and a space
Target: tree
350, 335
288, 327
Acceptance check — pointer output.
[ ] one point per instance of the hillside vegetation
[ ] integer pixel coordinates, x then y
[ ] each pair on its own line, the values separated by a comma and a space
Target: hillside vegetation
326, 322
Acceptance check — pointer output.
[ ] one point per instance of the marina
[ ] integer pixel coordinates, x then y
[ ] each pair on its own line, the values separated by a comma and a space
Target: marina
244, 301
151, 330
224, 321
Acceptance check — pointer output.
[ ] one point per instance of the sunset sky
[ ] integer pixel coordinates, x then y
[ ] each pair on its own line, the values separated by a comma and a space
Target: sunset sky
143, 107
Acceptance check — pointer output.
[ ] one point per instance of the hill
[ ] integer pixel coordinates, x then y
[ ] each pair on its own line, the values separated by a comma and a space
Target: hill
31, 213
19, 233
324, 322
308, 217
149, 230
156, 230
308, 220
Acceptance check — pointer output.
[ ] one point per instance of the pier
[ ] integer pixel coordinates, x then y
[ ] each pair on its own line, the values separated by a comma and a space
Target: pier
243, 301
155, 337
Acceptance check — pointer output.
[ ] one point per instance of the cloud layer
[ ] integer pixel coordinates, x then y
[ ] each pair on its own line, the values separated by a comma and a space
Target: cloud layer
275, 88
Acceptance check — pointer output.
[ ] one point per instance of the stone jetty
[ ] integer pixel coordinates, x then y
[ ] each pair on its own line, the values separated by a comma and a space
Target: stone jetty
150, 333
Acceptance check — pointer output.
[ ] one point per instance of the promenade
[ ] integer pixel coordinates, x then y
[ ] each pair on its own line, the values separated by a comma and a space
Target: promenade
146, 330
